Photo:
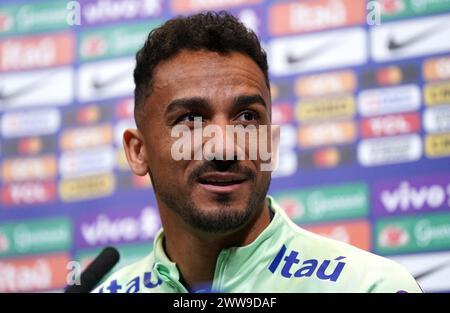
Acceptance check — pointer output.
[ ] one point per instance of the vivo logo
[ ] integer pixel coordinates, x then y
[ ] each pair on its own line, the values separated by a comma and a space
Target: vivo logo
407, 196
107, 10
106, 230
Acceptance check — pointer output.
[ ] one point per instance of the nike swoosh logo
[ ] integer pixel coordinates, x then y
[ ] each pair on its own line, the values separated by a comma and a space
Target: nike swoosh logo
310, 54
99, 84
394, 44
432, 270
24, 89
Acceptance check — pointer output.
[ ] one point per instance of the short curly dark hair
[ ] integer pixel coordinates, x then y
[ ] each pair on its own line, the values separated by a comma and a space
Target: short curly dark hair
212, 31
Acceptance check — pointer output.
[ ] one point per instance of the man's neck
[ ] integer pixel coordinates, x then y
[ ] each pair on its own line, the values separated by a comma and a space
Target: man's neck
196, 253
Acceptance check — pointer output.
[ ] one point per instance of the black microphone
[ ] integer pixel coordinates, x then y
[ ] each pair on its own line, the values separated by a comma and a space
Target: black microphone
94, 273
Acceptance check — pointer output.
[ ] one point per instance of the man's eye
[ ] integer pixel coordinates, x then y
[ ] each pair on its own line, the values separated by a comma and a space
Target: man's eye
248, 116
190, 117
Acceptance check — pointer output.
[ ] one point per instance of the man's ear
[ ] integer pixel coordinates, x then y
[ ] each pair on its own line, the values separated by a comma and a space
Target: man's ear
133, 143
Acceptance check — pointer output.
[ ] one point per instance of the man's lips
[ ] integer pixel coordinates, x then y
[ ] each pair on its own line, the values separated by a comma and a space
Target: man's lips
221, 182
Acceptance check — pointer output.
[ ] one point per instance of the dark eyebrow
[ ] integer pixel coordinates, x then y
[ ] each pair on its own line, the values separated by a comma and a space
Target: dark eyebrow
187, 104
242, 101
197, 103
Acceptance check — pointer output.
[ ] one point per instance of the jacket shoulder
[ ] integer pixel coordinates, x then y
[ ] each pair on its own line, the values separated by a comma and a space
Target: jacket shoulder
363, 271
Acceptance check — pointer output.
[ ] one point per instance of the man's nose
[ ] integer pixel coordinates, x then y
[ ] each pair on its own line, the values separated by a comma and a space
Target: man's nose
220, 142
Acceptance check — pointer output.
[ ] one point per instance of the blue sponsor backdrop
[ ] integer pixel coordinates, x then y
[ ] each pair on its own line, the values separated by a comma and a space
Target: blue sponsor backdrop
362, 89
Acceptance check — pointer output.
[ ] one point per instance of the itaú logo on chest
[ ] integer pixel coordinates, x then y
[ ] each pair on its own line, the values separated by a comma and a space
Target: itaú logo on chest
293, 266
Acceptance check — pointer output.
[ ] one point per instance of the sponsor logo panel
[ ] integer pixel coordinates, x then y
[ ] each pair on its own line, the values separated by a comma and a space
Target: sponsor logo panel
116, 227
29, 168
410, 38
97, 12
113, 41
29, 145
325, 203
326, 50
413, 234
36, 52
389, 100
328, 83
79, 189
36, 88
436, 69
30, 123
28, 193
393, 9
327, 157
389, 150
437, 93
33, 17
86, 137
105, 79
307, 16
355, 233
390, 125
35, 236
390, 76
437, 146
437, 119
329, 133
410, 195
30, 274
86, 162
325, 108
88, 115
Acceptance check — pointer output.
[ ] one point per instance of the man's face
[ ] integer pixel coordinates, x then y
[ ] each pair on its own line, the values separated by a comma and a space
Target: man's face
212, 196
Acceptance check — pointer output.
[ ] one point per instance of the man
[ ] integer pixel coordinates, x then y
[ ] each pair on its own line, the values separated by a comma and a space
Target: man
221, 232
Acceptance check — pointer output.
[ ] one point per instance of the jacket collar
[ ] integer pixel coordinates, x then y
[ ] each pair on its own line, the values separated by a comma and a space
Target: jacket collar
168, 270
